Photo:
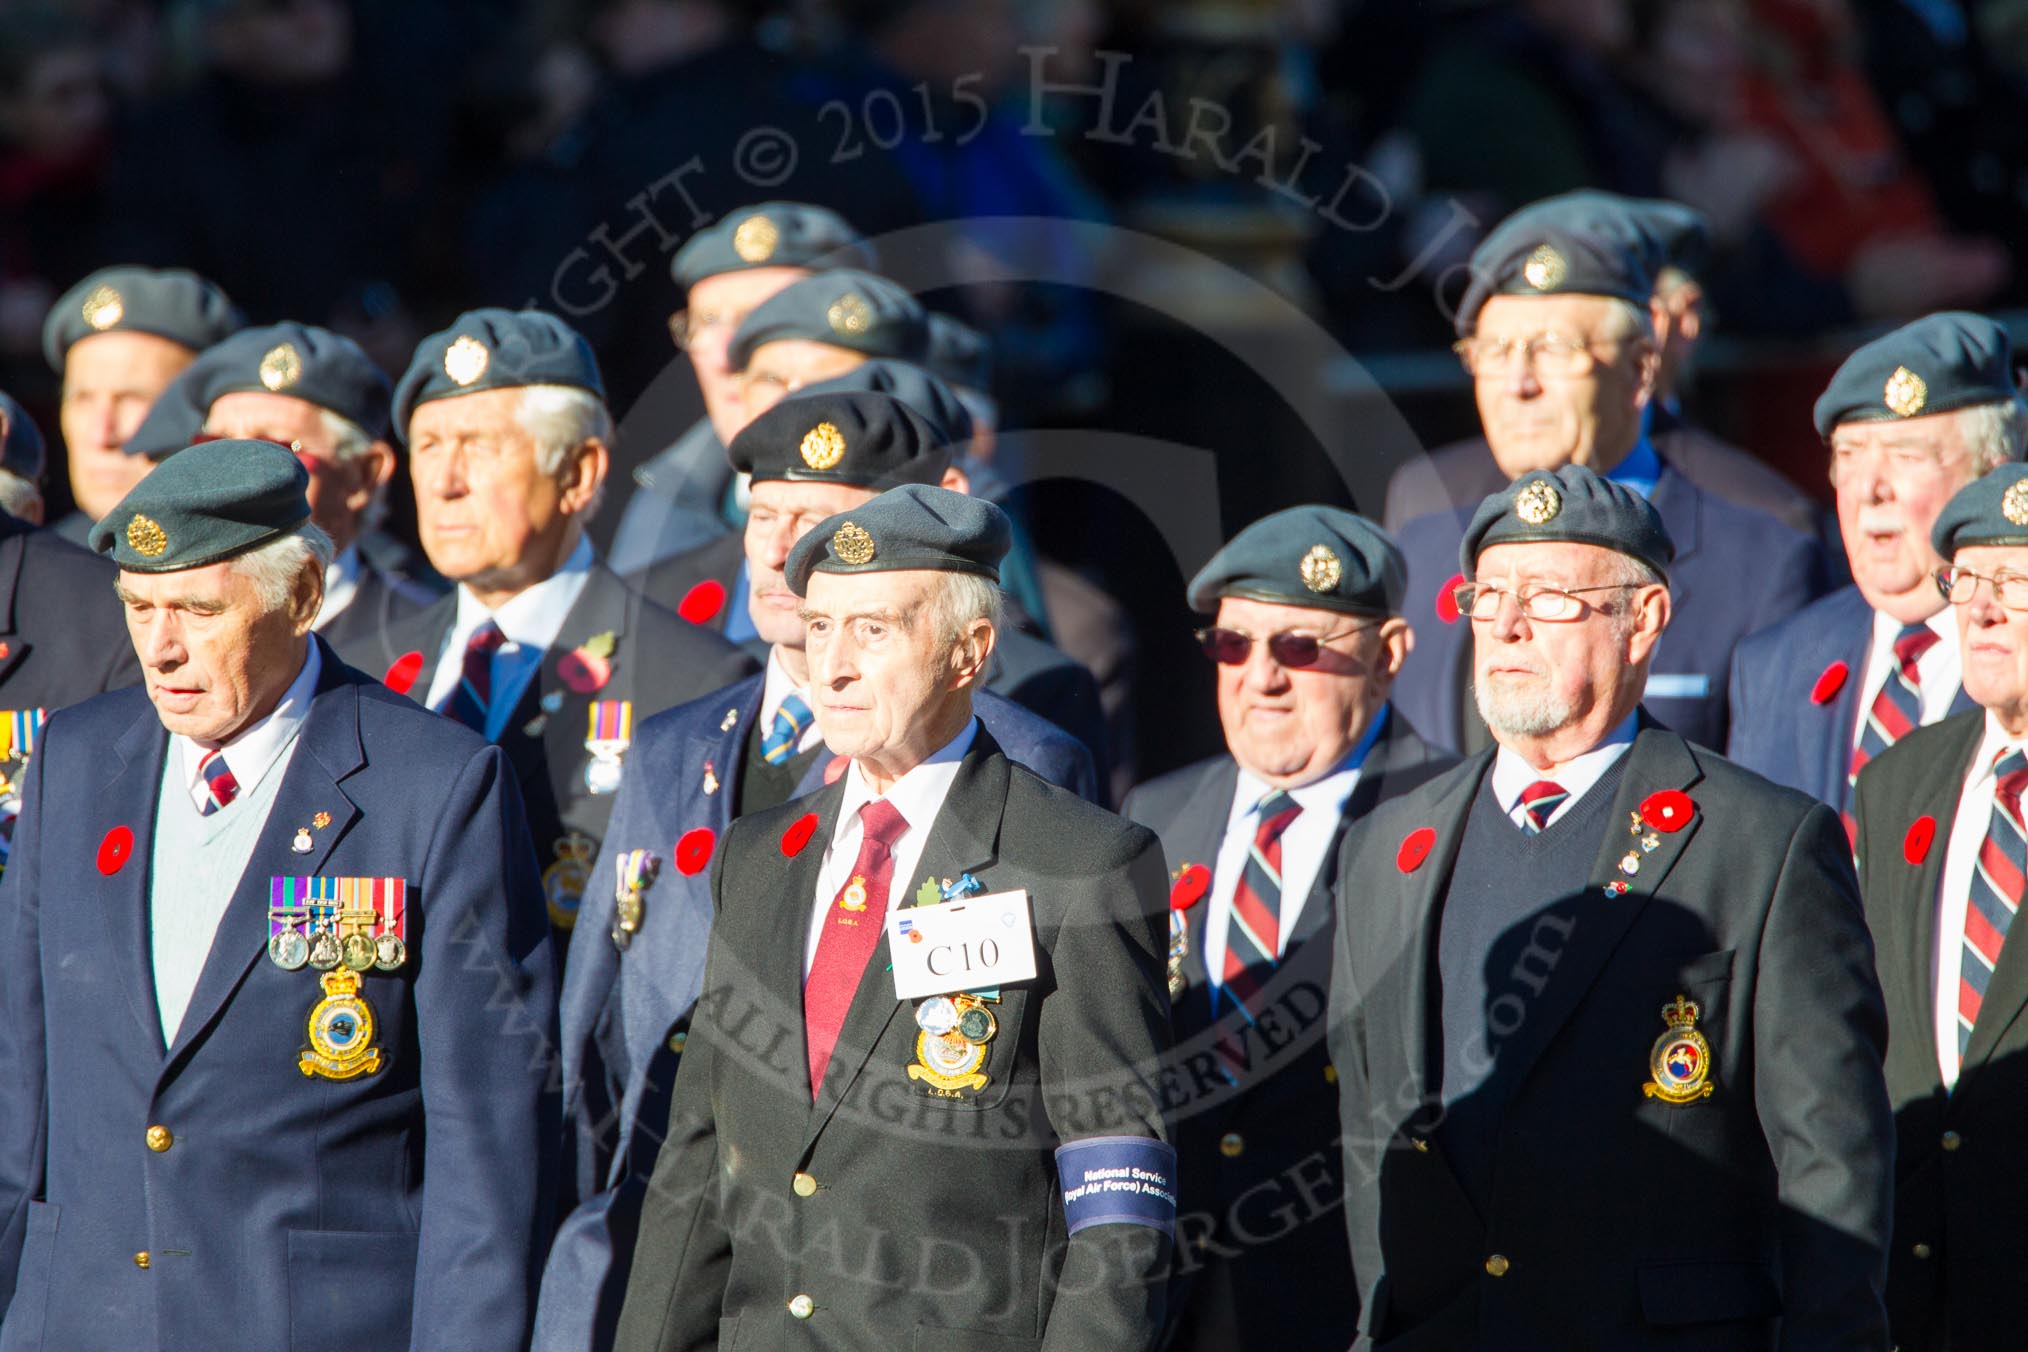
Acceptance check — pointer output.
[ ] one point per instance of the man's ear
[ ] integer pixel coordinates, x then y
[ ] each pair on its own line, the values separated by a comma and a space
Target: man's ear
584, 471
971, 652
957, 481
1652, 609
376, 468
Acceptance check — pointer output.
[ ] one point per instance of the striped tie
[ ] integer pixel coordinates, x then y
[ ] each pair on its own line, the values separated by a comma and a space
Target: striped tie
468, 699
1997, 884
1896, 711
792, 715
218, 783
1253, 934
1541, 799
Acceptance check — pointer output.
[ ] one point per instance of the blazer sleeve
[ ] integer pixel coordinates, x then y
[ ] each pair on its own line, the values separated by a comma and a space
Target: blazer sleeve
1820, 1037
1103, 1034
485, 1013
24, 1084
1364, 1138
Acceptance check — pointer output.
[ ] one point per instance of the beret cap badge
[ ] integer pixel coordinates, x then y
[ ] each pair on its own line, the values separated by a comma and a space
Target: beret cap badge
852, 545
281, 367
146, 538
823, 446
2014, 505
465, 360
850, 314
1906, 393
1538, 504
1545, 268
755, 239
103, 308
1321, 569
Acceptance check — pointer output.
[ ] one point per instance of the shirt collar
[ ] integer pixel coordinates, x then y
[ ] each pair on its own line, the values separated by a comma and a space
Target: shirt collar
778, 686
1328, 792
341, 584
916, 795
1640, 469
1512, 773
530, 618
1995, 740
250, 754
1886, 628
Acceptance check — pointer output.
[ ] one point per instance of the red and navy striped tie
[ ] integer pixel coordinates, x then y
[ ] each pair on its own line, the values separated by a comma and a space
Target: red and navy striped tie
1541, 799
469, 698
1896, 711
218, 782
1253, 933
1997, 884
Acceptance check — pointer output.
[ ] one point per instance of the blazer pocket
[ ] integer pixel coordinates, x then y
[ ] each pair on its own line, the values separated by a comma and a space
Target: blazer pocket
928, 1339
1708, 970
1708, 1293
350, 1290
30, 1308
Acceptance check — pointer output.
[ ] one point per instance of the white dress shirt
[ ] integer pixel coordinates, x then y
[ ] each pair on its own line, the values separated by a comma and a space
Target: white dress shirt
1305, 844
253, 753
918, 795
341, 584
1511, 774
1936, 670
779, 685
529, 621
1968, 831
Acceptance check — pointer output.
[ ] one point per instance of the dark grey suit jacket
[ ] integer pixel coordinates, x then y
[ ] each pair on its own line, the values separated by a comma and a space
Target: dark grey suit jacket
63, 636
1756, 1217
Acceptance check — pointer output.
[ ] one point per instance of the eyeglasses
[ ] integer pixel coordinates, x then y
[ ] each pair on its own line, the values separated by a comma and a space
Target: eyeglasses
1551, 354
1289, 648
1479, 601
1960, 585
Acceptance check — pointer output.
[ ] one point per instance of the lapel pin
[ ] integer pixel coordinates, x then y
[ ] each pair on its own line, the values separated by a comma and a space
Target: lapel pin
693, 851
1630, 864
401, 675
710, 780
701, 604
799, 833
1616, 888
552, 701
929, 894
1915, 845
1830, 683
302, 844
731, 717
1415, 848
114, 850
321, 820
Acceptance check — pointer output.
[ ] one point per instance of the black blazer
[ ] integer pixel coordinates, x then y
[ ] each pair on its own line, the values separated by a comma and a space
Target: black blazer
63, 632
359, 631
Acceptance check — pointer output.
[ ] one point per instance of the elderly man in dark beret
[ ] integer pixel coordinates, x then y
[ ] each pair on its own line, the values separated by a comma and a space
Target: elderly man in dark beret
1559, 335
980, 1154
1943, 864
724, 271
117, 338
279, 982
1308, 638
541, 648
1607, 1032
1911, 419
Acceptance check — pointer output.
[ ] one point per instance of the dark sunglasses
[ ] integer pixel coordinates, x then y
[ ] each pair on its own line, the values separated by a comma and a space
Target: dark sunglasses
1232, 647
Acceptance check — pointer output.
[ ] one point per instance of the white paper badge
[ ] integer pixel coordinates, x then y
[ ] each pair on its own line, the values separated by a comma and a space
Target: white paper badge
973, 944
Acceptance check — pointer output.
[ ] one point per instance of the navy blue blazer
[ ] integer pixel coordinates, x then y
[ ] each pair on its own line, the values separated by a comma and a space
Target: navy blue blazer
621, 1013
1778, 728
405, 1209
1736, 570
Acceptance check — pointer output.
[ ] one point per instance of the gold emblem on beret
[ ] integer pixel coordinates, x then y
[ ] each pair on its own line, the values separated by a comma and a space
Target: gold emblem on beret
1906, 393
1321, 569
146, 538
852, 544
755, 239
850, 314
465, 360
1545, 268
281, 367
1538, 503
103, 308
823, 446
2014, 505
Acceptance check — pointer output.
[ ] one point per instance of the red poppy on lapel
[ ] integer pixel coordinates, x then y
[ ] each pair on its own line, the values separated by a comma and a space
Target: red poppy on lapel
584, 672
836, 768
1915, 845
401, 675
1192, 881
1668, 810
1415, 848
701, 604
1830, 683
1447, 604
5, 648
114, 849
693, 851
799, 833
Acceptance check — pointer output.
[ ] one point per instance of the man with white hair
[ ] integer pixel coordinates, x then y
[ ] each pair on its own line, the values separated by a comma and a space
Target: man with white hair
541, 648
279, 982
1910, 419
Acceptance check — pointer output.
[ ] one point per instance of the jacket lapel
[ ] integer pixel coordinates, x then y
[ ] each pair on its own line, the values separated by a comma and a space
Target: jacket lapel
13, 646
1197, 834
1913, 924
1422, 915
605, 606
130, 796
720, 747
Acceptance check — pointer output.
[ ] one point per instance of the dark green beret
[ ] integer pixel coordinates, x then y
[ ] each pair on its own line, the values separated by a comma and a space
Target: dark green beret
846, 308
494, 349
916, 526
1307, 556
21, 451
170, 303
959, 353
855, 437
1938, 363
304, 362
771, 235
1990, 510
213, 501
936, 402
1571, 504
1555, 249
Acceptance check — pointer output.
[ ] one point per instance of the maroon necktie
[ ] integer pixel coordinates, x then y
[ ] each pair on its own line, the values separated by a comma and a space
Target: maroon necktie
469, 699
852, 927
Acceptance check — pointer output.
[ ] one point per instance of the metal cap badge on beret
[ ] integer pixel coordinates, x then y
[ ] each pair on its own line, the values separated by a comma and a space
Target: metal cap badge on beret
915, 526
1323, 557
1571, 504
771, 235
1990, 510
845, 308
172, 303
304, 362
21, 449
211, 502
494, 349
855, 437
1945, 361
1559, 247
936, 402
